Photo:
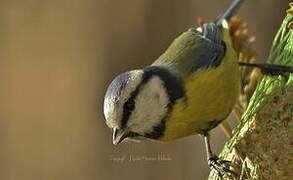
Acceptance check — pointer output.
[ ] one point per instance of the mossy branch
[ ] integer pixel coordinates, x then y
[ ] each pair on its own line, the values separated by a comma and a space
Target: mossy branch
261, 147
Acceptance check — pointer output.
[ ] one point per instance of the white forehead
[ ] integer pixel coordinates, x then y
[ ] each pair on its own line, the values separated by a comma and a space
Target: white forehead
113, 104
150, 107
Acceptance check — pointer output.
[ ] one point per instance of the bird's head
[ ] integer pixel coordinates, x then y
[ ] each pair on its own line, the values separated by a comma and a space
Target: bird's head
136, 104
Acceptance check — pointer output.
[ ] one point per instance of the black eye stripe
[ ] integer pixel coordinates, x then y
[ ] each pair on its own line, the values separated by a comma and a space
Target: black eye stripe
129, 106
128, 109
174, 88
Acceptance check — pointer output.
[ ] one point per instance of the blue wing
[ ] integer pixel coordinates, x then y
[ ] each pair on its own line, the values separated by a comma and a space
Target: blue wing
212, 48
194, 50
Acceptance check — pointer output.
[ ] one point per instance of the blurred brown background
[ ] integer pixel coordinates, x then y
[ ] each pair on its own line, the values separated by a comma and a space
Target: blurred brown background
56, 58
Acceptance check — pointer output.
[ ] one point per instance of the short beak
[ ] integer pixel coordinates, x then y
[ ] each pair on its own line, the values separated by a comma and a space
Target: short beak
119, 135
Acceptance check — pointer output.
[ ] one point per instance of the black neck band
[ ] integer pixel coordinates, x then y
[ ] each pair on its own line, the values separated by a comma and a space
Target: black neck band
175, 90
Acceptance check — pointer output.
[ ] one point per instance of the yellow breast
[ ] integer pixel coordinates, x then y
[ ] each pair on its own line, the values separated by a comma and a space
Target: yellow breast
210, 96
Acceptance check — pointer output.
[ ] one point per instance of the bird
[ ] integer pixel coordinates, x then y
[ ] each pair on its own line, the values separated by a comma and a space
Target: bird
190, 89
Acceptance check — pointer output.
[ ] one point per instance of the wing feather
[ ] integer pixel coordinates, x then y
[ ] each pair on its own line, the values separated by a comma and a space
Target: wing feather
194, 50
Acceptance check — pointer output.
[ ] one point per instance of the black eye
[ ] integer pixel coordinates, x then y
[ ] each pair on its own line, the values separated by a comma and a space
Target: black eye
129, 105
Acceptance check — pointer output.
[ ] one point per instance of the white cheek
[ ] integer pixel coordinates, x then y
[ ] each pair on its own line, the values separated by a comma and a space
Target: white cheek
150, 107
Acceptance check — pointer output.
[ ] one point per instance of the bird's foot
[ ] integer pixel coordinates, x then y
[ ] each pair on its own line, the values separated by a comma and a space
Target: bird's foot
222, 167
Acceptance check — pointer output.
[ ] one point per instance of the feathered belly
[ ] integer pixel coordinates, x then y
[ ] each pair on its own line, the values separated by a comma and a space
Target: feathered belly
210, 97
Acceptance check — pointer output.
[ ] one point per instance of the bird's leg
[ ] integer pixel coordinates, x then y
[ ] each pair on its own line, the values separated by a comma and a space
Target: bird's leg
220, 166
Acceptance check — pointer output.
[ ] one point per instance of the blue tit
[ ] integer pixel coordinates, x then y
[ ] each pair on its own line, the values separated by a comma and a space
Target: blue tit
190, 89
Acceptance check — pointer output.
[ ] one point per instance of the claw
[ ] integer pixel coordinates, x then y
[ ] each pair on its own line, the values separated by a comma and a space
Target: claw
222, 167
